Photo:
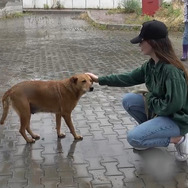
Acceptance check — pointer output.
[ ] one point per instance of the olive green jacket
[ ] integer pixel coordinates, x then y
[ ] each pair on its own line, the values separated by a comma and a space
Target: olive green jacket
167, 86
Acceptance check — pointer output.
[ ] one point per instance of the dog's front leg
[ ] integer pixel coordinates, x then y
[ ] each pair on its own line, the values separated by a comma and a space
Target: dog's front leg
58, 126
68, 121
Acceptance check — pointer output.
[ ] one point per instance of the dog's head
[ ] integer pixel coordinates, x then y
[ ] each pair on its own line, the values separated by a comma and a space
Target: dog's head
82, 82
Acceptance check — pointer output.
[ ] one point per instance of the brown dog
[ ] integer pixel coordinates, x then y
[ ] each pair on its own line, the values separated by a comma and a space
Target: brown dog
59, 97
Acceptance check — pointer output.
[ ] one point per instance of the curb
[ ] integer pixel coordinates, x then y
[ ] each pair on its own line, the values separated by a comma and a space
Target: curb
79, 11
54, 11
115, 26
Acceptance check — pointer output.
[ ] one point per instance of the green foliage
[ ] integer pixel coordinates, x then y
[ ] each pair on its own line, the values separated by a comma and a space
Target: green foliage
146, 18
46, 6
169, 10
13, 15
131, 6
59, 6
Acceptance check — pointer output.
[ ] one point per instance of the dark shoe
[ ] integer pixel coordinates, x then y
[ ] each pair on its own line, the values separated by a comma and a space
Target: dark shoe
183, 58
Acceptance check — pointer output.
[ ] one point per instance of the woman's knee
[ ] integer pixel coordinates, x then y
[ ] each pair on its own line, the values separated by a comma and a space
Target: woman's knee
132, 100
133, 139
127, 100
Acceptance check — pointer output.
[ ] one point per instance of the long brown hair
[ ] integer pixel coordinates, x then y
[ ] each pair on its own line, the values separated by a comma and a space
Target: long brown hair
165, 52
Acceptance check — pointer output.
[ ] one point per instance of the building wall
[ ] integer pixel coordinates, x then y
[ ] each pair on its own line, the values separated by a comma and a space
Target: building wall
97, 4
80, 4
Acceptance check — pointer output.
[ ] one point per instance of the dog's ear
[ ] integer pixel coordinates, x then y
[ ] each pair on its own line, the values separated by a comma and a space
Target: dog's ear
74, 80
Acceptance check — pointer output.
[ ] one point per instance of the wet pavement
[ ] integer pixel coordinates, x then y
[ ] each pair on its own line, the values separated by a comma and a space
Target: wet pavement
55, 47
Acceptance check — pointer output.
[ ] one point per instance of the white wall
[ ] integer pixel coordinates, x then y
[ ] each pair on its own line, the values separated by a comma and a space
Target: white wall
102, 4
80, 4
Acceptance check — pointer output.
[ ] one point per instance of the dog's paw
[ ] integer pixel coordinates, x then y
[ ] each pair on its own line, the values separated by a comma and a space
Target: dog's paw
61, 135
36, 137
30, 141
78, 138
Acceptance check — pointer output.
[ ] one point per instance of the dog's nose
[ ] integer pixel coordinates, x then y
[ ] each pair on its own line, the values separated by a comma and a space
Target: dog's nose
91, 88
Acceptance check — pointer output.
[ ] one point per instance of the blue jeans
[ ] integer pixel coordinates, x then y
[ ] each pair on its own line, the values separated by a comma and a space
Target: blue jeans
155, 132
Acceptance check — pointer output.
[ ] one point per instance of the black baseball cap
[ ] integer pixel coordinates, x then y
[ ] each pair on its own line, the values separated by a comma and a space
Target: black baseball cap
151, 30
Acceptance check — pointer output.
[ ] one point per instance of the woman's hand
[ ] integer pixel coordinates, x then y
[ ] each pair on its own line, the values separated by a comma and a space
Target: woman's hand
93, 76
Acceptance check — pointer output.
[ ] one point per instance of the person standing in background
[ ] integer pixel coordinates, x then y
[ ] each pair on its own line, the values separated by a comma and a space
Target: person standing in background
185, 34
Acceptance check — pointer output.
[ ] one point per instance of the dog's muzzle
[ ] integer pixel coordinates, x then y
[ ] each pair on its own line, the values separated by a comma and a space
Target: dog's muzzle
91, 88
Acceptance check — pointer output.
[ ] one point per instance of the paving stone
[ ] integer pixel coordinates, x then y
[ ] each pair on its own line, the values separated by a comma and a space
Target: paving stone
125, 143
95, 164
122, 133
67, 183
104, 122
49, 183
100, 114
108, 130
50, 172
117, 181
148, 181
17, 184
84, 182
91, 117
118, 126
49, 147
124, 161
94, 126
135, 185
34, 175
182, 179
18, 176
80, 122
103, 186
36, 155
49, 159
5, 168
4, 181
85, 131
113, 139
111, 169
33, 184
130, 175
82, 170
98, 135
99, 178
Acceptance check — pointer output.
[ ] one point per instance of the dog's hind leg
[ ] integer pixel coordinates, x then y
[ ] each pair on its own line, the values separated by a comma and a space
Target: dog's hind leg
24, 121
34, 136
21, 106
58, 126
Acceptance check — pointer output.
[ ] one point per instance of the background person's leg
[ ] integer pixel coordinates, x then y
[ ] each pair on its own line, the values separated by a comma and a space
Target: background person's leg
185, 42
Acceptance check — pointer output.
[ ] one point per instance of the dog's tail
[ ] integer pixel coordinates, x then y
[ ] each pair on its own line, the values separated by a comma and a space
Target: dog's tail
6, 104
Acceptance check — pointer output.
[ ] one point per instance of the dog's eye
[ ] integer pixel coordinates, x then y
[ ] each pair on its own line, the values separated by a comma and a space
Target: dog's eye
83, 81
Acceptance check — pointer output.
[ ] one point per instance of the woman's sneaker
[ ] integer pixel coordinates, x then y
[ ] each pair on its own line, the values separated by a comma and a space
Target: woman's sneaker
182, 149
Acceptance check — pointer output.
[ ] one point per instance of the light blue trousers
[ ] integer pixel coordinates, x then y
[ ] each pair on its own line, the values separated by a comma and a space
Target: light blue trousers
149, 133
